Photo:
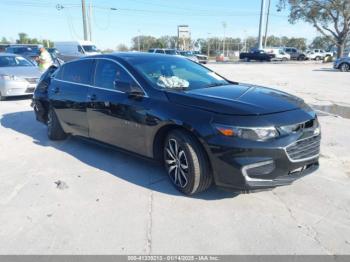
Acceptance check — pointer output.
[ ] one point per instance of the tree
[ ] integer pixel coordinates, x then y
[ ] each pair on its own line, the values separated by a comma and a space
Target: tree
23, 39
330, 17
4, 41
122, 47
296, 42
321, 42
273, 41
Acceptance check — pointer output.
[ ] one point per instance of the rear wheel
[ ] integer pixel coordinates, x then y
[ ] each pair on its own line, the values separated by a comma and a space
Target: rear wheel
54, 128
344, 67
284, 59
186, 163
318, 58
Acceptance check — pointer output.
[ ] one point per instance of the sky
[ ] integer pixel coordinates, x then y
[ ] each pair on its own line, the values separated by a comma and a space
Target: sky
42, 19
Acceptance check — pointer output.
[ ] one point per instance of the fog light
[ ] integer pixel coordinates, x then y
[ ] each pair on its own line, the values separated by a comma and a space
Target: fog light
258, 169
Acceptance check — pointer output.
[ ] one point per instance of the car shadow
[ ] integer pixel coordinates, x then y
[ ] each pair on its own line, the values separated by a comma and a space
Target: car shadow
127, 166
326, 70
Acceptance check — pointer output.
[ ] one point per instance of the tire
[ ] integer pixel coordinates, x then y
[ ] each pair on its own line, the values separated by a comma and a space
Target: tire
317, 58
301, 58
344, 67
2, 98
284, 59
54, 128
186, 163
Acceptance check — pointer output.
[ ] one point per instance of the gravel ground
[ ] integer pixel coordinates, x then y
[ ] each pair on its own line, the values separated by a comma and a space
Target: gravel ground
74, 197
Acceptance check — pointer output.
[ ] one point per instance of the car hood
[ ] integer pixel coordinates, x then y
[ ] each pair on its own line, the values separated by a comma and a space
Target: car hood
21, 71
240, 99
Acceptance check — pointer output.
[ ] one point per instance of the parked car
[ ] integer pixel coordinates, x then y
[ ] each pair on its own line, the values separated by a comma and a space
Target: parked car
202, 127
189, 55
343, 64
258, 55
166, 51
203, 59
18, 76
68, 51
280, 55
295, 54
30, 52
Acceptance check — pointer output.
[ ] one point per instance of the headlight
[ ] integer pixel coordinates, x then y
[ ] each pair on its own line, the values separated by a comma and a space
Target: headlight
251, 133
9, 77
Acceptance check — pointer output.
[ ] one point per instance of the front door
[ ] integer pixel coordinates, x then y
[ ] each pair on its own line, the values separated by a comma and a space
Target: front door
114, 117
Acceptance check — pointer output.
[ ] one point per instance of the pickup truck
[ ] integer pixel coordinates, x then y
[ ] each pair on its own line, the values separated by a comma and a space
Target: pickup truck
258, 55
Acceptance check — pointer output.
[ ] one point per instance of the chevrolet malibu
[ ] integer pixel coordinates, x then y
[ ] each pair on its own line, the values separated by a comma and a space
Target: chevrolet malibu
203, 127
18, 76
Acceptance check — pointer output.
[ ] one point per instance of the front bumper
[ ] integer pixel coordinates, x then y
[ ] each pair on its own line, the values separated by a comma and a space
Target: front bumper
17, 88
249, 165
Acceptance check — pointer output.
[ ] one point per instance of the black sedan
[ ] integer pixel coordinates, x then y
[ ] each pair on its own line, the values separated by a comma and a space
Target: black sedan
204, 128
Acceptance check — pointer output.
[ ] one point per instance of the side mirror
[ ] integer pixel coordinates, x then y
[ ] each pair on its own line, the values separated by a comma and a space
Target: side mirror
133, 92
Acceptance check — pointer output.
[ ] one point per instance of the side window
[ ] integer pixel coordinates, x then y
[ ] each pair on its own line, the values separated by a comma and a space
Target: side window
79, 72
59, 73
110, 75
159, 51
294, 50
80, 49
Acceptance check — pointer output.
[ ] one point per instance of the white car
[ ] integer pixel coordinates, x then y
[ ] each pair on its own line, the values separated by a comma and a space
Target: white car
317, 54
280, 55
18, 76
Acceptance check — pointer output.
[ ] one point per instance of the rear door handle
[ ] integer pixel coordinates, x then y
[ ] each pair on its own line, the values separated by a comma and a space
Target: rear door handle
56, 90
92, 97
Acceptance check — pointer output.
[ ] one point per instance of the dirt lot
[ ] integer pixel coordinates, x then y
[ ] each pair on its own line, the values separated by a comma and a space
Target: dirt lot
76, 197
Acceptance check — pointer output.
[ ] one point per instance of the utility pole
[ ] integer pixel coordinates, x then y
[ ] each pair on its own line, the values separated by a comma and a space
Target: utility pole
223, 43
208, 45
261, 24
267, 21
89, 20
83, 9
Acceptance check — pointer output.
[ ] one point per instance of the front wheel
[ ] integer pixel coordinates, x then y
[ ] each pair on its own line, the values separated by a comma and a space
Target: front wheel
186, 163
344, 67
54, 128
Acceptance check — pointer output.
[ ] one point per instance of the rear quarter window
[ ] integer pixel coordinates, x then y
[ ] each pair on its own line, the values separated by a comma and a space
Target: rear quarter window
79, 72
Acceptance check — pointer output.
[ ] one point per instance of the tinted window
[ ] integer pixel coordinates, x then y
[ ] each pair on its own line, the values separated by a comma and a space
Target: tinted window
78, 71
160, 51
112, 76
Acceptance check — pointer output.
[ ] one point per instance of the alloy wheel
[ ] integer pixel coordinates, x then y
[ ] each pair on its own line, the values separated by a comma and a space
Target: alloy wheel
344, 67
176, 163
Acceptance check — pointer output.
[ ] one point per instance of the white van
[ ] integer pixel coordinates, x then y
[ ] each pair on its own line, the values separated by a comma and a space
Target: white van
280, 55
75, 49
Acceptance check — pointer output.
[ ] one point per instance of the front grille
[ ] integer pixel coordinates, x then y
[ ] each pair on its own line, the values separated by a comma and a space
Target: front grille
304, 149
32, 80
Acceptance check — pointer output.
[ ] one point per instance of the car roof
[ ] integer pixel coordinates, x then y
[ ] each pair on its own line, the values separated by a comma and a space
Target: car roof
127, 55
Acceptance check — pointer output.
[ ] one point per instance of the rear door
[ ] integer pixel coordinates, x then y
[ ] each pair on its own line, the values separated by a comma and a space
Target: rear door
68, 95
113, 116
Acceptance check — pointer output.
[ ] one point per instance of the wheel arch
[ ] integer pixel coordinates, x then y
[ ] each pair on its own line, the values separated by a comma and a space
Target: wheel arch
162, 133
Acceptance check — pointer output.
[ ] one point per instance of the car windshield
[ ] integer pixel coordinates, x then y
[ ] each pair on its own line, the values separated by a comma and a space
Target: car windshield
90, 48
176, 73
12, 61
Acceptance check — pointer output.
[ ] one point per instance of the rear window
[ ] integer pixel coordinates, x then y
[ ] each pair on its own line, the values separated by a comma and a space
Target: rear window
79, 72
